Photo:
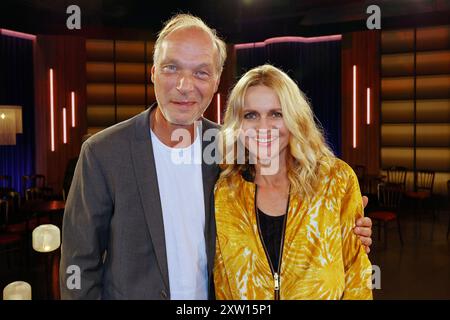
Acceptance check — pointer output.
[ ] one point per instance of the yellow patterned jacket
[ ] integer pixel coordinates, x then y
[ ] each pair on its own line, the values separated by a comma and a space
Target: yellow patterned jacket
321, 258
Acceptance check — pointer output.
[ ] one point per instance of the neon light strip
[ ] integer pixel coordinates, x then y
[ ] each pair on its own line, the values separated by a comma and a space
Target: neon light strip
335, 37
218, 109
354, 106
64, 125
52, 110
17, 34
368, 105
73, 108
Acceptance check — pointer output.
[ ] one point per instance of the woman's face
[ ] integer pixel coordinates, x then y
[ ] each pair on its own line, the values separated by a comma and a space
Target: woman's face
264, 132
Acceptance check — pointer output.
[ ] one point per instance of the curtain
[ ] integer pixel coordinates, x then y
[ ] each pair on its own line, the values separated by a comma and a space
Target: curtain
16, 88
316, 67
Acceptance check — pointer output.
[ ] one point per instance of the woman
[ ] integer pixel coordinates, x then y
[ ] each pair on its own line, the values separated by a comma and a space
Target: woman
285, 211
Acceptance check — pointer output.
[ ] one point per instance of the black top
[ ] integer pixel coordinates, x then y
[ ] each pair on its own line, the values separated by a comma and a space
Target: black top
271, 232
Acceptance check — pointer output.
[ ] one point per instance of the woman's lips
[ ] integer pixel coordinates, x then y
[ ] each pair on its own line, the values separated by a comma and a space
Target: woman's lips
265, 141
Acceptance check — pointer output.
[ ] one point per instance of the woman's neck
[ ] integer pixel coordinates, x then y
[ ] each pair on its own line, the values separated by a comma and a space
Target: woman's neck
276, 180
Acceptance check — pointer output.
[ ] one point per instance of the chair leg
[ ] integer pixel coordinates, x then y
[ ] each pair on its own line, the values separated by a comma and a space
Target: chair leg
385, 234
399, 231
379, 230
448, 228
433, 212
419, 217
8, 260
416, 219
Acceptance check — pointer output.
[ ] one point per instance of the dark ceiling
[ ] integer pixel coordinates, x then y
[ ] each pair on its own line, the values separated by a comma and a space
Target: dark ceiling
236, 20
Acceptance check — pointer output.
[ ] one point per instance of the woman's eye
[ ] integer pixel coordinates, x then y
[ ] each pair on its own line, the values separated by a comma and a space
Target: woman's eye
277, 114
250, 115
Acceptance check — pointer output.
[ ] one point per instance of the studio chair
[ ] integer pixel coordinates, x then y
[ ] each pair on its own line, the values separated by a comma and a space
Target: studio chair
360, 172
9, 242
397, 176
5, 185
389, 199
448, 194
35, 188
422, 196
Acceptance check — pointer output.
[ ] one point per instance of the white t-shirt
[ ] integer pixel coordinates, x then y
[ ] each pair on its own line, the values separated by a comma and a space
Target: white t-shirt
179, 172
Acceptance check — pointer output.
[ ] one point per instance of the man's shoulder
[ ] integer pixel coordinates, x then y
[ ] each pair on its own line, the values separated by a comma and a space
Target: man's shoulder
116, 134
208, 124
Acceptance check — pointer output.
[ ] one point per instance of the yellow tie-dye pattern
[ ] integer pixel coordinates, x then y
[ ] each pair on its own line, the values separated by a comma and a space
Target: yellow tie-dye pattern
322, 257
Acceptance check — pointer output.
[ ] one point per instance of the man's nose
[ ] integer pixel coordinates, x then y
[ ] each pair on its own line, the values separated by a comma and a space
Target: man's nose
185, 83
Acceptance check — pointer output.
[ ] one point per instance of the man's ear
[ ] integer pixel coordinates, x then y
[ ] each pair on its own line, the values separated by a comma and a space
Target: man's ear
152, 74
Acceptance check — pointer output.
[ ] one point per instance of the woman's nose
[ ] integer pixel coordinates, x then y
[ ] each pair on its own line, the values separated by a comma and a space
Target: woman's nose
265, 123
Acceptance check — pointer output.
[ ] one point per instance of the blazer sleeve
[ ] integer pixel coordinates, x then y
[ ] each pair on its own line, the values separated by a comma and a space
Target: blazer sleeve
85, 229
358, 269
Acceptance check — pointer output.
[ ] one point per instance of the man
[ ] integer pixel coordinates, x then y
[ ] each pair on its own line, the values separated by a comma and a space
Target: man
136, 225
70, 170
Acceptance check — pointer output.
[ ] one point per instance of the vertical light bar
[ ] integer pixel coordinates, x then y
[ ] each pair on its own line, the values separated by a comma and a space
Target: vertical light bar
52, 110
73, 108
218, 109
354, 106
64, 125
368, 105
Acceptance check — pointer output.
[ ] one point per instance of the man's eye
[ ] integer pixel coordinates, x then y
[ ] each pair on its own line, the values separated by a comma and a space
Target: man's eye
202, 74
169, 68
250, 115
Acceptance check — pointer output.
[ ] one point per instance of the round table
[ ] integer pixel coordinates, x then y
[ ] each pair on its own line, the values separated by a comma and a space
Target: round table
52, 208
43, 206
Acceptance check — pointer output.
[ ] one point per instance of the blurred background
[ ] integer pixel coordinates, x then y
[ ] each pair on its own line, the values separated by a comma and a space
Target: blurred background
382, 97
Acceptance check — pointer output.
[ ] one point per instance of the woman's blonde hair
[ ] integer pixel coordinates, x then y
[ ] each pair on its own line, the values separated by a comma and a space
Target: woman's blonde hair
307, 145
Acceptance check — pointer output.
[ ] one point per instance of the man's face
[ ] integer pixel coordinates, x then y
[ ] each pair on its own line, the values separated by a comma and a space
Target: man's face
186, 75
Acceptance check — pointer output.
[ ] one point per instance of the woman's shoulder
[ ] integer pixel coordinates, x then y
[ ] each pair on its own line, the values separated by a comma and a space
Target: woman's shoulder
341, 171
342, 166
226, 184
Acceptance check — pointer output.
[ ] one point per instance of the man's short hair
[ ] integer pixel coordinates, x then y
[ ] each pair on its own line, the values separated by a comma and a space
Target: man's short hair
184, 21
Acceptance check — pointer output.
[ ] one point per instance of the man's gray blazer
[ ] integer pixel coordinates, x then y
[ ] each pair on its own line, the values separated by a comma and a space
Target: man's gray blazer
113, 226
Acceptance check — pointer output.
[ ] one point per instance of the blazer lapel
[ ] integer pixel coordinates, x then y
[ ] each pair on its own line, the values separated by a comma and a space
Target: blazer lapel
145, 173
210, 174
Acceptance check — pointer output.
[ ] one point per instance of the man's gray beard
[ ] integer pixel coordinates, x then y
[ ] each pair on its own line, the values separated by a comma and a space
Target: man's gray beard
191, 122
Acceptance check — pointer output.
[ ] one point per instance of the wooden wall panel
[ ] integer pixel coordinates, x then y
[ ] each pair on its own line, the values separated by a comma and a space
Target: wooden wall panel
227, 80
67, 56
419, 141
119, 85
428, 63
427, 135
99, 50
361, 49
433, 38
402, 111
397, 41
